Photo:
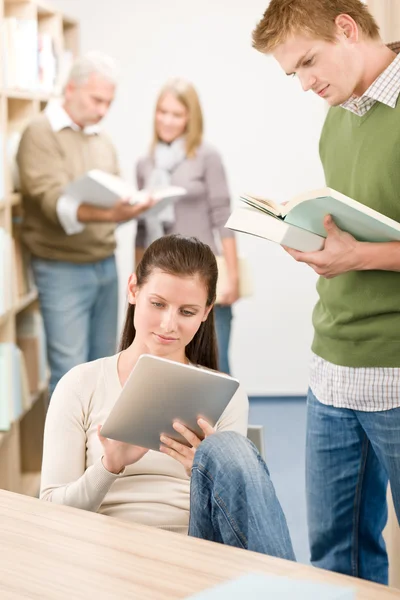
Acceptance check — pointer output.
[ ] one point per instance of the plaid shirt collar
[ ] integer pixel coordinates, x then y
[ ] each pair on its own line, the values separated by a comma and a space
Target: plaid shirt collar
385, 88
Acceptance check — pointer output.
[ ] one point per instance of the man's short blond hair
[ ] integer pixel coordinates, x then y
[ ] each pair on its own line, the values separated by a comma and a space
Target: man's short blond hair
314, 18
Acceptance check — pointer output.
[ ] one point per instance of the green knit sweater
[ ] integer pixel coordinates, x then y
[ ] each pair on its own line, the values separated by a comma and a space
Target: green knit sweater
357, 317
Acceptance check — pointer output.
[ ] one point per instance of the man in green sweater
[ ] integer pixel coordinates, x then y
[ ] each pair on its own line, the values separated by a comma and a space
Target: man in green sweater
353, 420
72, 244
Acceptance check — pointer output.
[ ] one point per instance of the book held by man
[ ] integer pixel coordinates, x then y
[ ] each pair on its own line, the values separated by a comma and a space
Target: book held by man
299, 224
103, 190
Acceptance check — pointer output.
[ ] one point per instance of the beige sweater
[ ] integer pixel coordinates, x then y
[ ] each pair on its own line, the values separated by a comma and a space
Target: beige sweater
154, 491
47, 162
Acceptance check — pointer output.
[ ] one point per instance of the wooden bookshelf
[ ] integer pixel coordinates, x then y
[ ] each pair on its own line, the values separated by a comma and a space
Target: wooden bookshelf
21, 446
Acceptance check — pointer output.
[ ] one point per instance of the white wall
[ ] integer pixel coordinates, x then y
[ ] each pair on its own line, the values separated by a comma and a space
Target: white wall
265, 127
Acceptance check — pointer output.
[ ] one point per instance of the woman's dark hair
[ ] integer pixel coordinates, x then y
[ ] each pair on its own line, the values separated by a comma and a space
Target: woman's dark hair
181, 256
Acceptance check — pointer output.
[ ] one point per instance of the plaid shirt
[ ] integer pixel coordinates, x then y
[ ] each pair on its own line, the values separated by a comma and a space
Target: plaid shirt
367, 389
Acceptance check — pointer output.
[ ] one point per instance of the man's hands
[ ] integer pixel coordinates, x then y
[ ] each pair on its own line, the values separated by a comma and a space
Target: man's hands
180, 452
339, 255
123, 211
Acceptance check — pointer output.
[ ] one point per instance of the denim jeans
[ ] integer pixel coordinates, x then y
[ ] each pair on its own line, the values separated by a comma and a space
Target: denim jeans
223, 319
350, 455
232, 499
79, 305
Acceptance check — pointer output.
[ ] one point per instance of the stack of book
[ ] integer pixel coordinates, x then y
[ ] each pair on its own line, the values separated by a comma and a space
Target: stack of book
12, 143
31, 59
47, 59
15, 396
20, 52
23, 368
2, 184
23, 274
32, 343
6, 290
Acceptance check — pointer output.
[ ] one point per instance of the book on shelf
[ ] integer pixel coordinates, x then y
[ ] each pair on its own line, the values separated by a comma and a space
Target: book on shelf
2, 182
14, 390
20, 53
22, 268
12, 143
32, 343
298, 224
259, 586
47, 62
103, 189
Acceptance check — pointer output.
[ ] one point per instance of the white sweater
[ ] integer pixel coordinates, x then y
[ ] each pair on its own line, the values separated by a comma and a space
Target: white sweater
154, 491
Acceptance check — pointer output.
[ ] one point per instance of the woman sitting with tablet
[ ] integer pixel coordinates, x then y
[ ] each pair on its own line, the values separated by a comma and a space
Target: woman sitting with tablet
221, 483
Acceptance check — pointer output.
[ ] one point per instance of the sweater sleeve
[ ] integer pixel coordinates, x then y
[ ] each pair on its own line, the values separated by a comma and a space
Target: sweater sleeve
65, 478
42, 169
218, 193
236, 415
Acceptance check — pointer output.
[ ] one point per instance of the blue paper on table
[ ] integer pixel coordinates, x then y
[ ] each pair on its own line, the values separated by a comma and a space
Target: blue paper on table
272, 587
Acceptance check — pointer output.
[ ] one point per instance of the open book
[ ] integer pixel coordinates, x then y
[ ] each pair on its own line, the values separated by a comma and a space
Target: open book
103, 190
299, 223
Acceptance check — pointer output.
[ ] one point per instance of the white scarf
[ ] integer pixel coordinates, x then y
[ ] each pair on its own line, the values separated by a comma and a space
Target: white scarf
167, 157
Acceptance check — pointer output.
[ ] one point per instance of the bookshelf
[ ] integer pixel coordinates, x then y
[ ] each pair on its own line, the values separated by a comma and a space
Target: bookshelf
39, 46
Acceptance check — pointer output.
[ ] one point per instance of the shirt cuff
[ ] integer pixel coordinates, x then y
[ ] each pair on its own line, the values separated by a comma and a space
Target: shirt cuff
67, 209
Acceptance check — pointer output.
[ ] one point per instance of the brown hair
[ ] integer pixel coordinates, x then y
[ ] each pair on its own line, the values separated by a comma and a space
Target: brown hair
315, 18
186, 257
187, 95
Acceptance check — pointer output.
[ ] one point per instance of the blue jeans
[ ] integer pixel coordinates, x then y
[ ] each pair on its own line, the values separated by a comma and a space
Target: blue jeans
232, 499
79, 305
223, 319
350, 455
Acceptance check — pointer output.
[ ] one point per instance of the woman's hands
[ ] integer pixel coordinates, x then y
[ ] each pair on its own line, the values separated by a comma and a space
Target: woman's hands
180, 452
230, 294
118, 455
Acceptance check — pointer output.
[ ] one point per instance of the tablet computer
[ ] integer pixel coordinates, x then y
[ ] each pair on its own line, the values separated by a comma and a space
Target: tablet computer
160, 391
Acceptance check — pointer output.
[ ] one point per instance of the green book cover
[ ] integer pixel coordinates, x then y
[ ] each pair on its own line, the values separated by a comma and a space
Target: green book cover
308, 210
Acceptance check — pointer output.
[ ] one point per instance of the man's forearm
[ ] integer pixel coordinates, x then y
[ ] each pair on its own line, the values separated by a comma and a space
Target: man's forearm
378, 256
87, 213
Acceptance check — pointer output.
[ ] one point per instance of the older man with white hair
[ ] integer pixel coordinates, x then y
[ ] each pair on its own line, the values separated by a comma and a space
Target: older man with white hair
72, 244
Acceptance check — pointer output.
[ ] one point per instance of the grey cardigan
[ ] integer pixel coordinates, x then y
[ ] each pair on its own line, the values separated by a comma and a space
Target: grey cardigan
205, 209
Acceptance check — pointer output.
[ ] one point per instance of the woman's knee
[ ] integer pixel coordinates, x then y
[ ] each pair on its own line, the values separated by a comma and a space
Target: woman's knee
225, 449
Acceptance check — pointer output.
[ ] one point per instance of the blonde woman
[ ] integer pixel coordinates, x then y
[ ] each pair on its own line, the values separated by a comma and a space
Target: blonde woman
178, 156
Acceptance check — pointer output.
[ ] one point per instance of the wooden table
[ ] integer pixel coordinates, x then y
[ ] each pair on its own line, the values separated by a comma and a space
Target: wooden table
55, 552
